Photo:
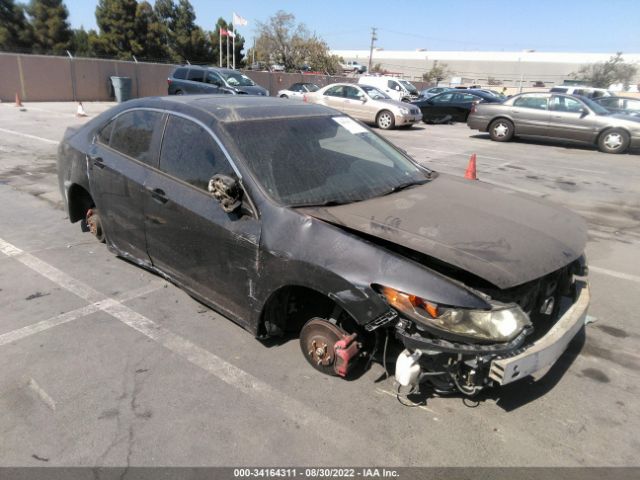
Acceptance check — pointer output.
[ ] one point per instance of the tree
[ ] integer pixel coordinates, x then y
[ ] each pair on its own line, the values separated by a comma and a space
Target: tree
15, 31
81, 42
437, 73
190, 41
117, 21
281, 40
51, 30
603, 74
151, 34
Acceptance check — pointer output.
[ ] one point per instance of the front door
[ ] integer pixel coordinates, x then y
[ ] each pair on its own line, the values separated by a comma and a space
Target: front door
571, 119
189, 237
118, 166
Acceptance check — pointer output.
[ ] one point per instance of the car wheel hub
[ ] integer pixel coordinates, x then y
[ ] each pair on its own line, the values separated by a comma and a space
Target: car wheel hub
317, 341
385, 120
613, 141
500, 130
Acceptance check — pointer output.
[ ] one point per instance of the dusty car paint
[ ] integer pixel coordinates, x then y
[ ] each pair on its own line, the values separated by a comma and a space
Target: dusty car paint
266, 266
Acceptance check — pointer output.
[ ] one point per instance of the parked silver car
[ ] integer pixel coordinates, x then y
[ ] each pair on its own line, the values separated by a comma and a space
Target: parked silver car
366, 103
559, 116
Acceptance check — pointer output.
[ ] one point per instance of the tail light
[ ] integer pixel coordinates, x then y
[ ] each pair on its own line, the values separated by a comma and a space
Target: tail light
168, 81
474, 107
304, 98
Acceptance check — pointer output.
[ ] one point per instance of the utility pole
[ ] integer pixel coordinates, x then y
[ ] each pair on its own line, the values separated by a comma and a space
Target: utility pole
373, 39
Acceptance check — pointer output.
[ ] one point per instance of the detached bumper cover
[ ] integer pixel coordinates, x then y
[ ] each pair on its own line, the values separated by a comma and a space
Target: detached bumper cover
543, 353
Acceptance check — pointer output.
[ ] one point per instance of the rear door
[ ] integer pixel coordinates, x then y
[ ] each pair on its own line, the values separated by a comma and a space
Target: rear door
438, 107
530, 113
189, 236
334, 97
569, 118
118, 165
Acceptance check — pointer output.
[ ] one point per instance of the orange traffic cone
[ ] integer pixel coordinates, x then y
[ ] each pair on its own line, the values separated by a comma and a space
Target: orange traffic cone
80, 112
18, 101
470, 174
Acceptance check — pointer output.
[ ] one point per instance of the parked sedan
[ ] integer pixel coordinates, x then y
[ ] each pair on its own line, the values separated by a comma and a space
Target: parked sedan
366, 103
452, 105
297, 90
558, 116
296, 219
628, 105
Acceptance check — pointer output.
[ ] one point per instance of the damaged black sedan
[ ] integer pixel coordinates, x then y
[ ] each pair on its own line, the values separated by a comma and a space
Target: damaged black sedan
296, 219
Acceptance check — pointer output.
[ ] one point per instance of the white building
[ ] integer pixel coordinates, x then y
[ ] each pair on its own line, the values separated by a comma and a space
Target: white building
506, 68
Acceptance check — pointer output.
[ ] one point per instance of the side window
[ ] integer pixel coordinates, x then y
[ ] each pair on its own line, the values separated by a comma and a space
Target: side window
296, 87
566, 104
353, 93
335, 91
104, 135
214, 79
393, 85
632, 105
528, 101
190, 154
133, 132
609, 102
443, 98
180, 73
196, 75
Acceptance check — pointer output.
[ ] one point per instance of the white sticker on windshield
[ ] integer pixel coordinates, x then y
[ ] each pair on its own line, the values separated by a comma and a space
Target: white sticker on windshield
350, 125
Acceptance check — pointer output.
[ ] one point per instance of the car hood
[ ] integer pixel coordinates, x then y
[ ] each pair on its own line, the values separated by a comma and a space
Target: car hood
253, 90
502, 236
626, 117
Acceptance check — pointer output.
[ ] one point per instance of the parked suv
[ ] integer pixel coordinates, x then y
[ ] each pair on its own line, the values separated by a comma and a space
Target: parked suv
589, 92
197, 80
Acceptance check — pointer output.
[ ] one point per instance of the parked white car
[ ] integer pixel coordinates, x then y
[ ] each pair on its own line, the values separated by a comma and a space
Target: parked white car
366, 103
396, 88
297, 90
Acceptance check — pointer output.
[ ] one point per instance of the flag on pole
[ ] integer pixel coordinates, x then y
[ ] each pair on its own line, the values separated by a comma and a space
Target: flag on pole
231, 34
224, 32
238, 21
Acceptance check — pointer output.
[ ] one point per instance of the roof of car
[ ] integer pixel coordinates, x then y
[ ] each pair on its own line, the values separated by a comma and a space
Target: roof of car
233, 108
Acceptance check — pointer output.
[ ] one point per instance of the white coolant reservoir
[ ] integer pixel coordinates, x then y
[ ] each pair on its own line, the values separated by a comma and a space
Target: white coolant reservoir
408, 368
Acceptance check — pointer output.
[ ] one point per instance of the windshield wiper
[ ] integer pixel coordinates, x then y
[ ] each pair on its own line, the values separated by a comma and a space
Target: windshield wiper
404, 186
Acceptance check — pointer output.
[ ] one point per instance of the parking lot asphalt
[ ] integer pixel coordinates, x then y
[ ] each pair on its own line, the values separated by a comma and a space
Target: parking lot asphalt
104, 363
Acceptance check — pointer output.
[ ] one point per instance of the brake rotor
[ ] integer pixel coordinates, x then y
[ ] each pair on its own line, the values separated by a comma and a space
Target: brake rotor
317, 341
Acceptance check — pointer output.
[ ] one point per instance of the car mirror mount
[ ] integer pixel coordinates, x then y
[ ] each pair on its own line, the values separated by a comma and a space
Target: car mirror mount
583, 112
227, 191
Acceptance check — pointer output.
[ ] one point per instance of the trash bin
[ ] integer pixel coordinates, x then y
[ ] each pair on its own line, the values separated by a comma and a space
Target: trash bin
121, 88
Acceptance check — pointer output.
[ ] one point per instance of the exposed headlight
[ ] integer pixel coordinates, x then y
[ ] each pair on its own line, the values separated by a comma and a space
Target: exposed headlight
405, 111
500, 324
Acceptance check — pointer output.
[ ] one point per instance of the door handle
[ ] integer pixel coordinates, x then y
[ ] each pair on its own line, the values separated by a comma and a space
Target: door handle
97, 161
158, 195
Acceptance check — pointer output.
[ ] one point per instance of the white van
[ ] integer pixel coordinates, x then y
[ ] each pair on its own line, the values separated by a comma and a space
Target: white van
396, 88
589, 92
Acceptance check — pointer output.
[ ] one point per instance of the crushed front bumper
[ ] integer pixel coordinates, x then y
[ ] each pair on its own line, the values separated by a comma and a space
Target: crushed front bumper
543, 353
480, 365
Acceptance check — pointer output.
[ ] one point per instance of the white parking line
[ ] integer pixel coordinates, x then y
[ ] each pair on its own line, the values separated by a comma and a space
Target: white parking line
81, 312
42, 395
26, 135
614, 273
296, 410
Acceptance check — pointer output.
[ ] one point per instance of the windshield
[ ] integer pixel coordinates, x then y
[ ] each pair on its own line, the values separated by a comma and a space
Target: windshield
597, 109
312, 87
374, 93
321, 160
236, 79
409, 86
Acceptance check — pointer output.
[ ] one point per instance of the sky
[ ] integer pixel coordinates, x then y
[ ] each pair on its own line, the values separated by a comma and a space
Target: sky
595, 26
